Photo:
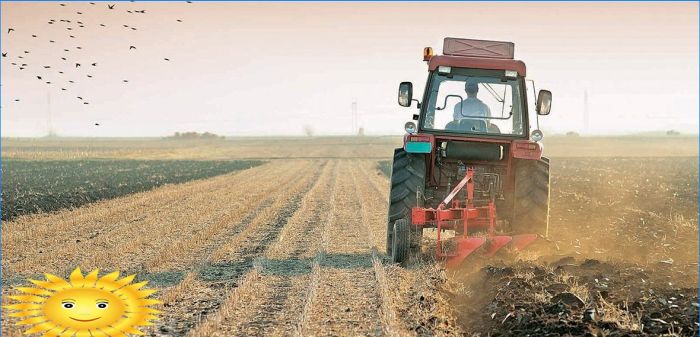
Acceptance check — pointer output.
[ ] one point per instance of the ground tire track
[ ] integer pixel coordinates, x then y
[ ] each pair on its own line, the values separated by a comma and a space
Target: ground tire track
219, 276
391, 325
267, 306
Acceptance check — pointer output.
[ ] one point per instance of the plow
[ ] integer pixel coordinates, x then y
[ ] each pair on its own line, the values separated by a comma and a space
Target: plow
471, 167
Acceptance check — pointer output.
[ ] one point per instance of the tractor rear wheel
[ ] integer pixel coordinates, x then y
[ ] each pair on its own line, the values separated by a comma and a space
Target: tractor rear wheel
401, 244
407, 186
531, 197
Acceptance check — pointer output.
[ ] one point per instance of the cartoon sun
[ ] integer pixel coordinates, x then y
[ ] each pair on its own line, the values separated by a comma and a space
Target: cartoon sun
85, 306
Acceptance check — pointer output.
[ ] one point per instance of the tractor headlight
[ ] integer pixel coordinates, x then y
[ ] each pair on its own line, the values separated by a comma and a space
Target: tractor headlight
536, 135
410, 127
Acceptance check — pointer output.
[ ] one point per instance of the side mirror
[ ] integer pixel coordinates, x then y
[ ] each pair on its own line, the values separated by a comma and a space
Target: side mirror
405, 94
544, 102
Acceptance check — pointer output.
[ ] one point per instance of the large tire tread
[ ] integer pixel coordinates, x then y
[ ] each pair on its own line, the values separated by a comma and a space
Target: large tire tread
531, 196
407, 182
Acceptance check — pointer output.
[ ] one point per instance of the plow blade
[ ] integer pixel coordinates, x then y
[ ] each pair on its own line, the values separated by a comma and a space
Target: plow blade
497, 242
523, 240
465, 246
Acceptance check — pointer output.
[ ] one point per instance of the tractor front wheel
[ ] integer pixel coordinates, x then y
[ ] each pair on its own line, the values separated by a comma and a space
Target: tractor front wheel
401, 242
407, 186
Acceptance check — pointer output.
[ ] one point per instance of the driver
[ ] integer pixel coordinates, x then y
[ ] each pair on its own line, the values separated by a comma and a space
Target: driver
472, 106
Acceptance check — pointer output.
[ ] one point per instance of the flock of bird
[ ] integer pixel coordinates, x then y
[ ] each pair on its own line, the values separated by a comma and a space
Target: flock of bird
71, 25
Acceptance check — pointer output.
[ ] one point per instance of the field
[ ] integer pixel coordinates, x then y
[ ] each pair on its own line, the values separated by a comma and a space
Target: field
44, 186
294, 246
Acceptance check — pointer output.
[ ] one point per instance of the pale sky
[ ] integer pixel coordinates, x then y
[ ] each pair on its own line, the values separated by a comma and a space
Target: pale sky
272, 68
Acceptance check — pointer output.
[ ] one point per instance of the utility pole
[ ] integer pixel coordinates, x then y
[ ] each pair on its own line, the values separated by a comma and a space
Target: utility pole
354, 117
585, 111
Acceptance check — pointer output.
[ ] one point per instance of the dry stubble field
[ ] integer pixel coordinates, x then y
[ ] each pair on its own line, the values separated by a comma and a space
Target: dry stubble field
294, 246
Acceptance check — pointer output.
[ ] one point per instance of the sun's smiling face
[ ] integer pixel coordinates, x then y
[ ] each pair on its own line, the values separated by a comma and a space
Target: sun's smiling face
87, 308
84, 305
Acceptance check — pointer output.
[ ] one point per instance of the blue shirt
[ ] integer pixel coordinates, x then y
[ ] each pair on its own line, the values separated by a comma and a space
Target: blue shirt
471, 106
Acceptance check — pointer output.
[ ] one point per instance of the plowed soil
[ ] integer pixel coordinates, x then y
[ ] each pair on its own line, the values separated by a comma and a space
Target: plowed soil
294, 247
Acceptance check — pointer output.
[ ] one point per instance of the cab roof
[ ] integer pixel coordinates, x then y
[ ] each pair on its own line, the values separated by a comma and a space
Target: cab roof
477, 63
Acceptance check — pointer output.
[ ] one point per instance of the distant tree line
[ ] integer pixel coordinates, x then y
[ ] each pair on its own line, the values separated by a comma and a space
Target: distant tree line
194, 135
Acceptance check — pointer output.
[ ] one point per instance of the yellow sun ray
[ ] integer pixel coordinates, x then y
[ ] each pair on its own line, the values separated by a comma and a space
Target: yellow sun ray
112, 331
25, 313
28, 298
40, 328
32, 320
91, 278
55, 332
84, 305
35, 291
68, 332
83, 333
23, 306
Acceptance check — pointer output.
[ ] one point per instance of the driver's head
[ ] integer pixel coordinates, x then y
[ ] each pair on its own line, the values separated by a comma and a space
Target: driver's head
471, 88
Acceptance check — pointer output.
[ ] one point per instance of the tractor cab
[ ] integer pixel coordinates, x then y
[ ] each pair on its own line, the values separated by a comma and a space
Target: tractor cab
475, 89
472, 157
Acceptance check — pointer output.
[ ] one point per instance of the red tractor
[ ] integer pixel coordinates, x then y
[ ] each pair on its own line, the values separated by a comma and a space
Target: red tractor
471, 165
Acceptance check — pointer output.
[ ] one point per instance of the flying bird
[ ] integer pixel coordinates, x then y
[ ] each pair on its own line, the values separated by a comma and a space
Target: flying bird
85, 102
79, 12
48, 82
4, 54
33, 35
80, 98
26, 52
92, 3
63, 58
131, 47
52, 41
66, 50
10, 30
97, 124
63, 89
132, 28
63, 5
20, 57
71, 81
51, 22
126, 81
94, 64
102, 25
178, 20
129, 11
47, 67
89, 76
78, 47
21, 68
60, 72
38, 77
14, 64
126, 26
167, 59
68, 28
110, 6
24, 64
77, 65
17, 100
71, 36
